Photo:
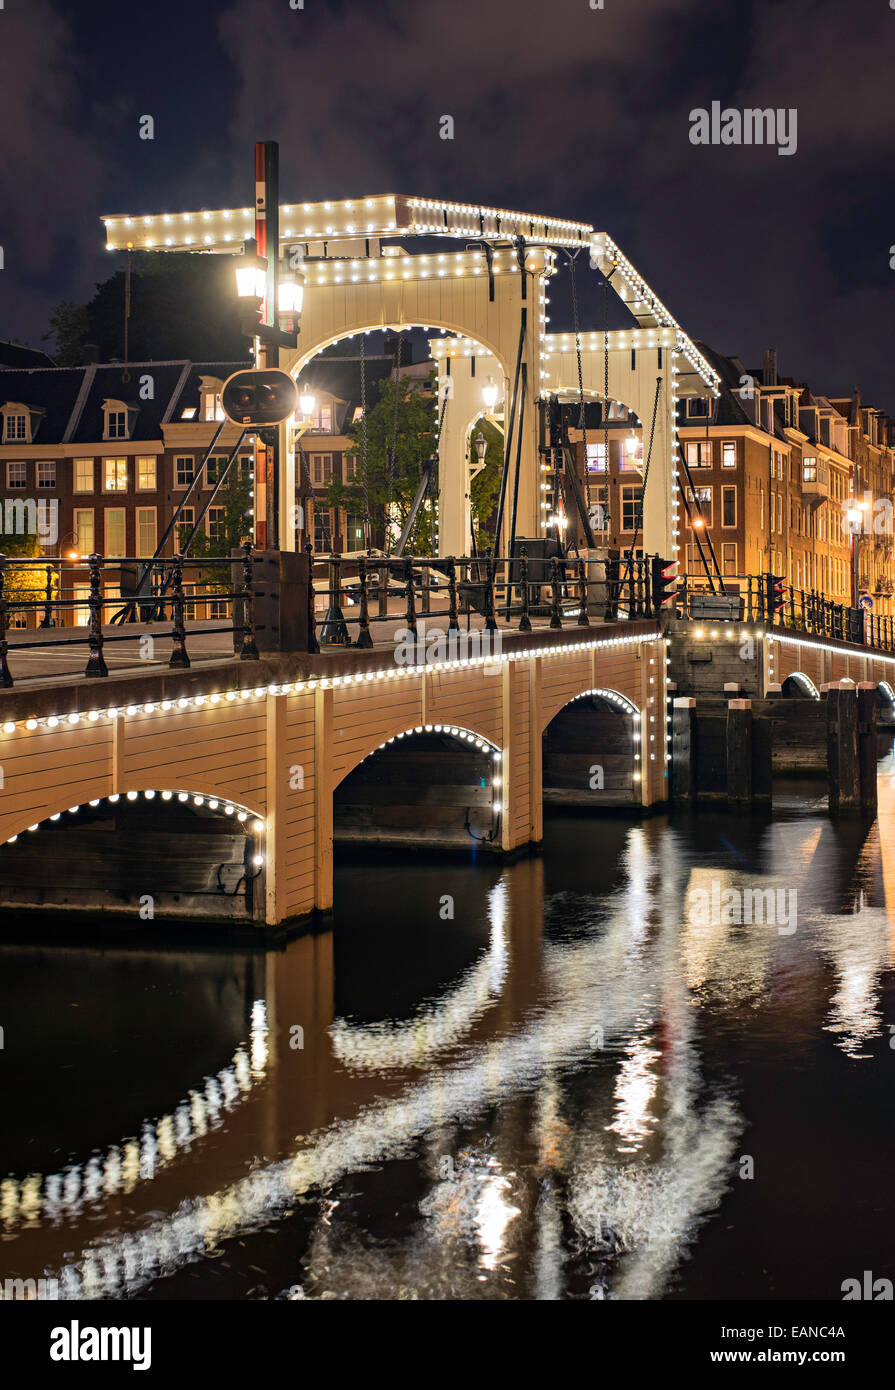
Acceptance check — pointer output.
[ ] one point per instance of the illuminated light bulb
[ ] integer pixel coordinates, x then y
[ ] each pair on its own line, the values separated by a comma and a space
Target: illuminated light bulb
198, 800
243, 816
213, 805
132, 796
52, 723
258, 860
183, 796
131, 710
258, 826
30, 724
74, 719
166, 796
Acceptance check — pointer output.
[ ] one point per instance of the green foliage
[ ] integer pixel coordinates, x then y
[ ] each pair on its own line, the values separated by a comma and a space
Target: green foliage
415, 443
235, 526
182, 306
22, 583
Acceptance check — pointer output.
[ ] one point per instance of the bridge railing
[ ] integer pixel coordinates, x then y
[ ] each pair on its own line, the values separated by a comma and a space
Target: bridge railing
519, 591
151, 593
747, 598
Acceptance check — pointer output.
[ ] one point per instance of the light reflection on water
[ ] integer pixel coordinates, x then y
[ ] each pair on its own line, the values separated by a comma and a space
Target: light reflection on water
548, 1096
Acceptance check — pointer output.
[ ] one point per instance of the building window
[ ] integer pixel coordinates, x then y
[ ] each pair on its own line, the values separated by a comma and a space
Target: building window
631, 499
213, 408
702, 495
217, 609
700, 455
697, 407
321, 469
115, 535
84, 531
184, 470
247, 464
350, 462
728, 454
215, 523
16, 475
16, 430
116, 424
354, 532
146, 473
596, 457
728, 506
185, 525
147, 531
809, 470
729, 558
322, 530
115, 475
215, 467
83, 475
46, 474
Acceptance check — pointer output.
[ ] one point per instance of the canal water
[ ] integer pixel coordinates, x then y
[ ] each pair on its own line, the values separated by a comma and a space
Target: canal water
579, 1075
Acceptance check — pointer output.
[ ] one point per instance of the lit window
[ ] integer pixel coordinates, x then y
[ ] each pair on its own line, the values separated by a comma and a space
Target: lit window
84, 531
147, 531
596, 457
16, 429
83, 475
213, 408
114, 523
146, 473
700, 455
728, 455
809, 470
115, 475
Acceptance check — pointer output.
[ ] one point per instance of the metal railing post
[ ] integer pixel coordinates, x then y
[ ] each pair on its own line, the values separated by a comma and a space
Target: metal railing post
364, 639
490, 624
410, 612
583, 619
47, 619
179, 656
453, 623
525, 620
313, 644
96, 665
556, 608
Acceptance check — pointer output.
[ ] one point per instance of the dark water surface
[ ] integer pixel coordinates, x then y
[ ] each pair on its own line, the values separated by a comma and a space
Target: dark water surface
581, 1084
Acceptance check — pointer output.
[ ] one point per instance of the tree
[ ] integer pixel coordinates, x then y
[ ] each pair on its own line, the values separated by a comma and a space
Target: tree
391, 495
182, 306
25, 582
233, 527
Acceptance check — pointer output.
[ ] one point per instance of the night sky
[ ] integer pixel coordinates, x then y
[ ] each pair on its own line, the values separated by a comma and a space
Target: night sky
558, 108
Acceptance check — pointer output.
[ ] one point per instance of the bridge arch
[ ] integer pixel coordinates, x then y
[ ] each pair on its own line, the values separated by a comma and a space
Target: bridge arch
591, 751
434, 784
798, 685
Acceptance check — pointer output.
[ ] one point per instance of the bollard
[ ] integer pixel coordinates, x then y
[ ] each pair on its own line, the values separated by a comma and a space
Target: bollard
683, 748
868, 749
842, 748
739, 750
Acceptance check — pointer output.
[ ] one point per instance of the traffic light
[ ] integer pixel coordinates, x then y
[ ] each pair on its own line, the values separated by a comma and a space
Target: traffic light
774, 600
259, 396
664, 583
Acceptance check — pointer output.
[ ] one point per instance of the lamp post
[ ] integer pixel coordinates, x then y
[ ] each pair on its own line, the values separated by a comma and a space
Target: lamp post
855, 517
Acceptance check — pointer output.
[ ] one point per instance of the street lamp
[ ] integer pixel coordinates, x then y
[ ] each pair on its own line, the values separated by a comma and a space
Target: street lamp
481, 444
307, 402
251, 275
490, 393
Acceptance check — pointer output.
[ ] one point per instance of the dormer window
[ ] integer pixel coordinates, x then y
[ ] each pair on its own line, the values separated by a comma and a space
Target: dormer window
19, 423
119, 419
210, 388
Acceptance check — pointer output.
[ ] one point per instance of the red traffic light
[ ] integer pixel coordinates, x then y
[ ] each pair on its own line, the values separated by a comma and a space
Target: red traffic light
664, 582
259, 396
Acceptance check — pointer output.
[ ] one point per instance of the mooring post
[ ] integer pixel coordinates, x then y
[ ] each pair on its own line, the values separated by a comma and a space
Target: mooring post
842, 748
867, 744
683, 748
739, 750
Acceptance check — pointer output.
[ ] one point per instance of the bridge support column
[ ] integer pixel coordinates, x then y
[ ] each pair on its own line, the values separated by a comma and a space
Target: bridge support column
683, 749
739, 750
323, 800
868, 750
842, 748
